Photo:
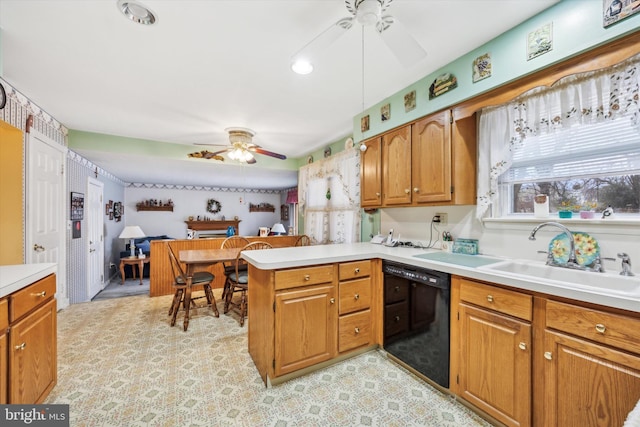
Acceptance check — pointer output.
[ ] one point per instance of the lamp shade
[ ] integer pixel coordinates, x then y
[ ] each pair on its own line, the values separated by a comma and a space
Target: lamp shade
278, 229
132, 232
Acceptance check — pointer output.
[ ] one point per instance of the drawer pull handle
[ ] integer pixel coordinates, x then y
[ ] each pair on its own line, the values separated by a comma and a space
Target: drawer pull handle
332, 300
357, 330
21, 346
600, 328
522, 346
307, 277
490, 298
40, 294
356, 297
397, 318
547, 355
357, 270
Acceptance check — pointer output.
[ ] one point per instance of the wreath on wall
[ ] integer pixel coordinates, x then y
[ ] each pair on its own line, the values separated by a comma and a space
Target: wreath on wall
213, 206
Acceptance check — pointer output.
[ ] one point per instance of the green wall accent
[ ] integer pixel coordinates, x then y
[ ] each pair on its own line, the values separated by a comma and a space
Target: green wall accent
576, 28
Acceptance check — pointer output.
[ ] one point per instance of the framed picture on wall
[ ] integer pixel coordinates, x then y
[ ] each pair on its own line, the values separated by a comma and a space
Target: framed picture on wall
77, 206
617, 10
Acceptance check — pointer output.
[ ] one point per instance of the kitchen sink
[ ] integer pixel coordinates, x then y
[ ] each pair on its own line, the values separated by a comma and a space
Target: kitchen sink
609, 282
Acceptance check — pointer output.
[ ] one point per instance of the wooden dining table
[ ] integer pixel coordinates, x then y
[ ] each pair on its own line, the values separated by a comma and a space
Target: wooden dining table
194, 258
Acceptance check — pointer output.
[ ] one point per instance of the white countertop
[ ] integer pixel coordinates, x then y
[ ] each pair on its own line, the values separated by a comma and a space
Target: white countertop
299, 256
15, 277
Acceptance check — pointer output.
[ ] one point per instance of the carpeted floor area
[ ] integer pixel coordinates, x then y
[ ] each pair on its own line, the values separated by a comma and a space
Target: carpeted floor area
121, 364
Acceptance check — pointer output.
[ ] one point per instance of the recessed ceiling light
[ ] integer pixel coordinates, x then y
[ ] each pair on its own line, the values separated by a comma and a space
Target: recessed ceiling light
301, 66
137, 12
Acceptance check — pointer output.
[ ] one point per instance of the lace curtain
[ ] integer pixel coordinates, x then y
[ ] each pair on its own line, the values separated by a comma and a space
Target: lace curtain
329, 197
585, 98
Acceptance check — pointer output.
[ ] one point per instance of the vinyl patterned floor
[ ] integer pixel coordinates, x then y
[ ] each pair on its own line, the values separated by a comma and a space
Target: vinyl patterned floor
121, 364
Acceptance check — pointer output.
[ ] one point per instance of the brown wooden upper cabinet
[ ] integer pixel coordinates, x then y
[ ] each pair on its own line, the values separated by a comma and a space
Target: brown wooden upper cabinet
431, 161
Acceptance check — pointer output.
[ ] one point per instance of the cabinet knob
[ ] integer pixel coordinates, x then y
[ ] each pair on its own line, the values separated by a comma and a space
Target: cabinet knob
357, 270
547, 355
396, 289
522, 346
38, 248
332, 300
21, 346
416, 190
378, 195
356, 297
40, 294
357, 330
600, 328
490, 298
407, 191
397, 318
307, 277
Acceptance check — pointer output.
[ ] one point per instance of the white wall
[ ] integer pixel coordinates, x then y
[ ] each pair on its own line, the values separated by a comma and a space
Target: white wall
511, 238
193, 203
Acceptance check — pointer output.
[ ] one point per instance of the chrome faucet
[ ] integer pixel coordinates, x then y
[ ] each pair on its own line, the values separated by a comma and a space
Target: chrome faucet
626, 264
571, 262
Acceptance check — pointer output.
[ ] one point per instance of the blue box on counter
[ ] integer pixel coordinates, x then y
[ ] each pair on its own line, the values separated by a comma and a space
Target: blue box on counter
465, 246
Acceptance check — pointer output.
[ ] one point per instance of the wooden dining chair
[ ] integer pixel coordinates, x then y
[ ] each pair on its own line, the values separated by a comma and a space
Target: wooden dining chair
203, 278
230, 266
239, 281
303, 240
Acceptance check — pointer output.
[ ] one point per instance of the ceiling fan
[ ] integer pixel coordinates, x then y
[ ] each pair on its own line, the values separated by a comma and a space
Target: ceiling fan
240, 148
366, 13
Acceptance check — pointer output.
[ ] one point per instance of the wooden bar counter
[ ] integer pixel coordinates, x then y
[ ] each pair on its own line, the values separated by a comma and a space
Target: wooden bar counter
160, 274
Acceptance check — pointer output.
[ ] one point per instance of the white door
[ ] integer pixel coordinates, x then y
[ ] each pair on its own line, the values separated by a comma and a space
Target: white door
45, 207
95, 223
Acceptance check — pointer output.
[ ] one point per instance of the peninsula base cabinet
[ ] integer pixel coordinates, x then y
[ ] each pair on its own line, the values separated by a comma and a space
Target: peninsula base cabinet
530, 359
295, 320
28, 352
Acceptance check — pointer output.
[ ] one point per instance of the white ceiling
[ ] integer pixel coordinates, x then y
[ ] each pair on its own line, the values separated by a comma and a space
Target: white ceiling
211, 64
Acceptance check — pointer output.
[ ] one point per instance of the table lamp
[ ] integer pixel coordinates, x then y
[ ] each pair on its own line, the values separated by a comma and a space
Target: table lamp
278, 229
132, 232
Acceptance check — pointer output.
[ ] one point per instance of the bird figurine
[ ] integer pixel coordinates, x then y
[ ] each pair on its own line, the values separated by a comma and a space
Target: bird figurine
607, 212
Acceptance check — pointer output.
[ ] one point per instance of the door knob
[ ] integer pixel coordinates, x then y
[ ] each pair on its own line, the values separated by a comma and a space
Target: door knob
38, 248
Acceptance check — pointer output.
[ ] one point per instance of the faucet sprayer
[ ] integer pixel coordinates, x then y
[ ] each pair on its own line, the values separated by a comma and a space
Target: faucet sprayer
572, 251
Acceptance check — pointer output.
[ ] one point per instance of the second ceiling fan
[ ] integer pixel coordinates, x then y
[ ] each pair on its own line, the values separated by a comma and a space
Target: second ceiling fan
240, 147
367, 13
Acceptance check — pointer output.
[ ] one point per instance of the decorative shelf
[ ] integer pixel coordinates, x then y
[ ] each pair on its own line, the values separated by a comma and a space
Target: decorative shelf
154, 208
211, 225
262, 207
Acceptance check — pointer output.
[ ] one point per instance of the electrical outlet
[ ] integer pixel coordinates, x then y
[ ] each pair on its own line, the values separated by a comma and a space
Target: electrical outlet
443, 218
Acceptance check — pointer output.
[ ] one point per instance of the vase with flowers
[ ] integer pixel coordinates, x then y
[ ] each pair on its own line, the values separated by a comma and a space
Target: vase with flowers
567, 208
588, 210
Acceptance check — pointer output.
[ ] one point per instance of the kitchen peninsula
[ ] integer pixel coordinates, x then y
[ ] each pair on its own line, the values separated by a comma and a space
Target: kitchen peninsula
302, 317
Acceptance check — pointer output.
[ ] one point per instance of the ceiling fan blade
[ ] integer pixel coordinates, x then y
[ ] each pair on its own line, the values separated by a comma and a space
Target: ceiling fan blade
268, 153
310, 52
400, 41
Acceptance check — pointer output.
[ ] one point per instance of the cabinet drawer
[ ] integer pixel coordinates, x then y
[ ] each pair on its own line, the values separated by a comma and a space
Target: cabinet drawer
513, 303
297, 277
607, 328
25, 300
4, 315
354, 295
355, 330
353, 270
396, 318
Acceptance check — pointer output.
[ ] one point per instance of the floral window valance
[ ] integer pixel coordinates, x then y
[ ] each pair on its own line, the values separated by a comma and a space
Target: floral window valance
580, 99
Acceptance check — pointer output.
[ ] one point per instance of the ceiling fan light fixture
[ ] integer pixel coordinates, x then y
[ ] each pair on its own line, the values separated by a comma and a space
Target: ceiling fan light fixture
301, 66
368, 12
137, 12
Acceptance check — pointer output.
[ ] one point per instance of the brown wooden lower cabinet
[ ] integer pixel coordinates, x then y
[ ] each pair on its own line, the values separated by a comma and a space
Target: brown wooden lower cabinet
4, 366
583, 369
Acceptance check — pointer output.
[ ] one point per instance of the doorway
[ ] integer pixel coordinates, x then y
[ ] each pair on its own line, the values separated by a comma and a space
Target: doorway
45, 208
95, 226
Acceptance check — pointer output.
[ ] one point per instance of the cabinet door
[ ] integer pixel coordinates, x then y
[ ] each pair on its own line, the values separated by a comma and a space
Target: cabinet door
4, 372
587, 384
305, 328
396, 167
32, 356
371, 174
431, 157
495, 364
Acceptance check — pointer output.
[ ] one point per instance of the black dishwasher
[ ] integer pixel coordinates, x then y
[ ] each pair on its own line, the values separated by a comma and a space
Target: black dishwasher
416, 319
